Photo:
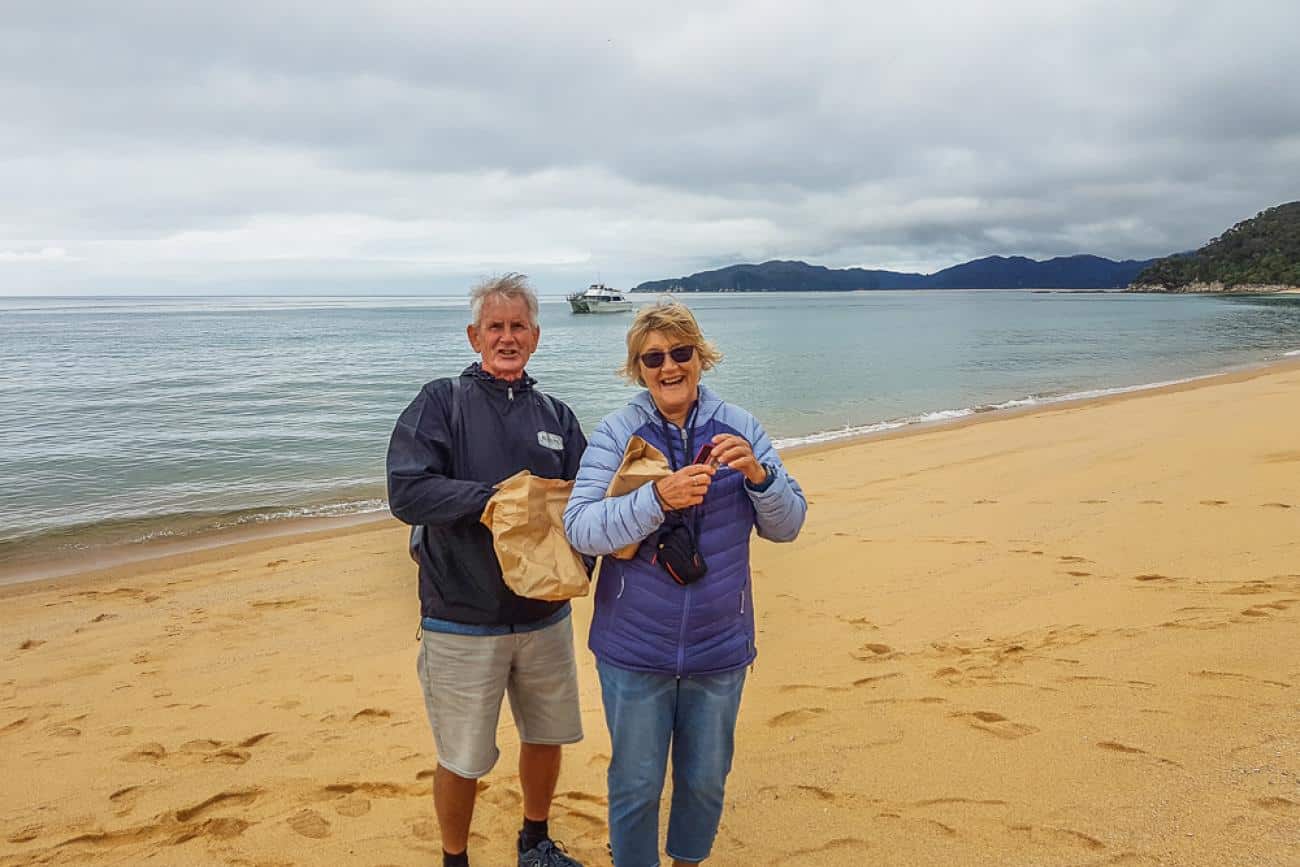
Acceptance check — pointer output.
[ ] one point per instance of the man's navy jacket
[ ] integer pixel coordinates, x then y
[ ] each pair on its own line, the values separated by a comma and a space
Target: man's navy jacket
442, 466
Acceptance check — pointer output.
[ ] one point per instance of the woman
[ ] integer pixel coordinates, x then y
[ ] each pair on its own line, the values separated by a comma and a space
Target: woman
672, 644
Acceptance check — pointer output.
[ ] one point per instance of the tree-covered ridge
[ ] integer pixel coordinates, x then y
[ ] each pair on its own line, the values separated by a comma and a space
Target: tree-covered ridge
992, 272
1261, 251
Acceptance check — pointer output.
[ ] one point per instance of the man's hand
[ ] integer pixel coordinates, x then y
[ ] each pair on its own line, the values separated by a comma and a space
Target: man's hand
733, 451
686, 487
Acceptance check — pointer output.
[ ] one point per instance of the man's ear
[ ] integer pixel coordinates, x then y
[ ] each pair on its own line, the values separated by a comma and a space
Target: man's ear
471, 331
537, 336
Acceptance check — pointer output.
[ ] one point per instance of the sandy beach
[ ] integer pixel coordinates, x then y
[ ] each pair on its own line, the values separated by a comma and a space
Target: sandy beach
1061, 637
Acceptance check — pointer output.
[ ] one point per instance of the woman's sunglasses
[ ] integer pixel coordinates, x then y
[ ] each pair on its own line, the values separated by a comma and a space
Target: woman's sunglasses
680, 354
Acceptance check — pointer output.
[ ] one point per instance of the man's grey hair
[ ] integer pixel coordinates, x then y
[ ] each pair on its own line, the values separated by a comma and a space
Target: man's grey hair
507, 286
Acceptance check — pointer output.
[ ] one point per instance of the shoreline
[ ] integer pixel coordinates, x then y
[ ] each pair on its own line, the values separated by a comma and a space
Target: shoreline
114, 561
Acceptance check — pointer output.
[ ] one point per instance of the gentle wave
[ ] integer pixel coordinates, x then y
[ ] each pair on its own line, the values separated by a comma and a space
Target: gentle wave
329, 510
129, 533
1291, 354
850, 432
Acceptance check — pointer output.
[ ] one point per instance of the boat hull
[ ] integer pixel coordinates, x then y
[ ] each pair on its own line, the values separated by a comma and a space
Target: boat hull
596, 306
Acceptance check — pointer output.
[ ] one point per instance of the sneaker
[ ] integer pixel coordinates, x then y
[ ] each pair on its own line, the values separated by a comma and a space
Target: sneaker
547, 853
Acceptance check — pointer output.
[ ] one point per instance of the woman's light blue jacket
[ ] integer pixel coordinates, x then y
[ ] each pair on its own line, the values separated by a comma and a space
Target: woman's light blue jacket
643, 620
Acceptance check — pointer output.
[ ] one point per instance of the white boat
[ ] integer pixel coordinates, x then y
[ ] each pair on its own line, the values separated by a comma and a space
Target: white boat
599, 298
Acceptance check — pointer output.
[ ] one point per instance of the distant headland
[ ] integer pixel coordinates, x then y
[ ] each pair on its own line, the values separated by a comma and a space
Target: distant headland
1258, 255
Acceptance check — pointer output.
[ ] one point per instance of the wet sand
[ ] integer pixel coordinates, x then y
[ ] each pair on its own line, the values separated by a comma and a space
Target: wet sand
1060, 637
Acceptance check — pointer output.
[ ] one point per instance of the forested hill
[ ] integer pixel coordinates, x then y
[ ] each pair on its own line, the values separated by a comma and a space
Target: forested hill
993, 272
1261, 251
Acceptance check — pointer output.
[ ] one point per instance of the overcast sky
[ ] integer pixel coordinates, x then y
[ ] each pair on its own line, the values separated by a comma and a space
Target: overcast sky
324, 146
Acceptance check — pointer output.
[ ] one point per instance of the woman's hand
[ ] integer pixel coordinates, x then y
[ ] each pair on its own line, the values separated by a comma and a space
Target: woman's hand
684, 488
733, 451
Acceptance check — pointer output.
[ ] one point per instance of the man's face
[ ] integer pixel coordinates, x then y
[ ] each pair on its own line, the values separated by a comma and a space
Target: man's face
503, 336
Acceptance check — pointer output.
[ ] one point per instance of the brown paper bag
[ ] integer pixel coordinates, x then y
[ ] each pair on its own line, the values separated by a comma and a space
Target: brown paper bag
641, 463
526, 517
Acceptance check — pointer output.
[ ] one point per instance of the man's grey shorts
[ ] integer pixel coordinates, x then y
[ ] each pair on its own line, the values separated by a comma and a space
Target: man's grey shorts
465, 676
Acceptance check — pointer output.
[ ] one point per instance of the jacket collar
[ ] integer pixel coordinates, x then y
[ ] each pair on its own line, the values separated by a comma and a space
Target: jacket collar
476, 371
709, 405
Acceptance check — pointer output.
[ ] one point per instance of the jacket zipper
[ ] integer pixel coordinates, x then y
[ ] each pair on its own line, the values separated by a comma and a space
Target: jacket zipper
686, 597
681, 638
510, 392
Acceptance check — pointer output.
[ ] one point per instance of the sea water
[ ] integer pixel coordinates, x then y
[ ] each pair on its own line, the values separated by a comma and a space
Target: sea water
129, 419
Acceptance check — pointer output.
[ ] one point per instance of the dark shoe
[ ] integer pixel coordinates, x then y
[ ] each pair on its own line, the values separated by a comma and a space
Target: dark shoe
547, 853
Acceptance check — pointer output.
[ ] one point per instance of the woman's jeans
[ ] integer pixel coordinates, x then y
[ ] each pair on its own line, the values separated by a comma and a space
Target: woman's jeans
647, 715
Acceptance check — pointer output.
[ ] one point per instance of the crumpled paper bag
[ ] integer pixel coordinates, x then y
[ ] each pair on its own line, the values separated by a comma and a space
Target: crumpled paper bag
641, 463
526, 517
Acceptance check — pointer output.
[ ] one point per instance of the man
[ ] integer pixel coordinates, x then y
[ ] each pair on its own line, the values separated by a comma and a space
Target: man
456, 440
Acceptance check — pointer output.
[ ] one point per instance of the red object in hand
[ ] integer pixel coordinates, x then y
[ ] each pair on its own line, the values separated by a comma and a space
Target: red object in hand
702, 456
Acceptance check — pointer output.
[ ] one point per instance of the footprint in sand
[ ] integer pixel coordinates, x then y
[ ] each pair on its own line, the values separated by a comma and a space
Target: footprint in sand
1047, 834
239, 797
352, 807
858, 621
873, 651
810, 687
502, 797
150, 752
309, 823
25, 834
124, 800
15, 725
1279, 805
795, 717
229, 756
201, 745
371, 714
30, 644
1250, 588
996, 724
815, 791
1149, 577
1116, 747
377, 790
839, 844
1276, 505
425, 829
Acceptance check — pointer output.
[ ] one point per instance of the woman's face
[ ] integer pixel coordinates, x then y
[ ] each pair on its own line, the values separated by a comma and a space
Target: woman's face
672, 385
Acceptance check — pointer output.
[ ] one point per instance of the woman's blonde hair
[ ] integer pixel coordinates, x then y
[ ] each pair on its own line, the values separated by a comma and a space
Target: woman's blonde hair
675, 321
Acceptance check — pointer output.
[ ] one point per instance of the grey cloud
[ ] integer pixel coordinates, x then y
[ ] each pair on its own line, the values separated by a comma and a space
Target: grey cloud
641, 144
